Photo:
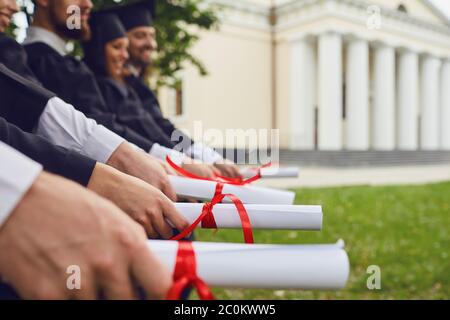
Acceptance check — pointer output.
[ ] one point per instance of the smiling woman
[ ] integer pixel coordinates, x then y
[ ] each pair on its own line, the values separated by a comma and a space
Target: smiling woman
107, 50
116, 54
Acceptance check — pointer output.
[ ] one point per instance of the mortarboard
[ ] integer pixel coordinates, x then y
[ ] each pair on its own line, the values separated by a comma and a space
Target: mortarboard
137, 14
105, 27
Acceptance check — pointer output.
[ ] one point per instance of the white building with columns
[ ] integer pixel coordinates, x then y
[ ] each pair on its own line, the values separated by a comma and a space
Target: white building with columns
329, 74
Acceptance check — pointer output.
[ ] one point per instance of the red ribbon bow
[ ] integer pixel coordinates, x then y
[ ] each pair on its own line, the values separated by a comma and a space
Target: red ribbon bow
207, 220
218, 178
185, 274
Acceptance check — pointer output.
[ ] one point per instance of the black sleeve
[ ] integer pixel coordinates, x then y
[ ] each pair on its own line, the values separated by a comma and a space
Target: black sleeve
57, 160
22, 100
13, 56
74, 83
128, 109
151, 105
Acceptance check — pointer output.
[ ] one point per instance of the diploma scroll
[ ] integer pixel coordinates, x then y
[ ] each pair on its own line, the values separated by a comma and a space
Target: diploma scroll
225, 265
277, 217
205, 190
272, 172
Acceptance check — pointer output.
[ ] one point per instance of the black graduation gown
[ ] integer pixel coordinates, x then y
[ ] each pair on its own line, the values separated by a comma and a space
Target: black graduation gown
19, 86
24, 111
14, 57
151, 105
57, 160
22, 103
126, 105
23, 100
74, 82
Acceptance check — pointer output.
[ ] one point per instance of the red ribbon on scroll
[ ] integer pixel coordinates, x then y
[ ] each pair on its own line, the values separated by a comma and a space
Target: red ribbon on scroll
185, 274
218, 178
207, 220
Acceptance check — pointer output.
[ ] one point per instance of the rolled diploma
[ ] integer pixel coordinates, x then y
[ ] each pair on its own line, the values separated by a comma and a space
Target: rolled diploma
245, 266
204, 190
273, 172
281, 217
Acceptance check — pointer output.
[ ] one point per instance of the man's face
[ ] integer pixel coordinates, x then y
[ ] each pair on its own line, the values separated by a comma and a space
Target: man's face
63, 13
7, 9
142, 45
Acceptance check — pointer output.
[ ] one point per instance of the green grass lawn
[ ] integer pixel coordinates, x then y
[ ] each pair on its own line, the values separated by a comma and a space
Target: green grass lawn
403, 229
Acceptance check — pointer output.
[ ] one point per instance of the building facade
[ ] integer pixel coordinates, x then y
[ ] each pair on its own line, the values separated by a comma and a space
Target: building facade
329, 74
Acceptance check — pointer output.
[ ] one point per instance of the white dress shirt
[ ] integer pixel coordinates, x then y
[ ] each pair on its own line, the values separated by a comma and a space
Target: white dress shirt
160, 152
64, 126
204, 153
17, 174
38, 34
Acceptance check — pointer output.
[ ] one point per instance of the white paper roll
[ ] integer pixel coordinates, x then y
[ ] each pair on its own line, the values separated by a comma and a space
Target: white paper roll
272, 172
204, 190
262, 216
225, 265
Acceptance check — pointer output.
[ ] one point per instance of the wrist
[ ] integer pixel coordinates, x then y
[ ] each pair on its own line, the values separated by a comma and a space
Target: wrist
121, 157
105, 181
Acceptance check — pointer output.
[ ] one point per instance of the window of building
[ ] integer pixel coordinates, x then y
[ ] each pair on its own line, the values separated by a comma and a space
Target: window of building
179, 101
176, 101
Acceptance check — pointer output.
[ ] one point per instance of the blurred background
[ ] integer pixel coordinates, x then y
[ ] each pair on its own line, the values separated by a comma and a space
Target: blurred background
360, 93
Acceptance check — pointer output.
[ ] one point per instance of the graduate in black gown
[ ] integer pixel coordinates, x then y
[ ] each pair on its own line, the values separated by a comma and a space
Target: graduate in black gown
137, 19
15, 58
63, 125
106, 54
76, 84
70, 78
73, 81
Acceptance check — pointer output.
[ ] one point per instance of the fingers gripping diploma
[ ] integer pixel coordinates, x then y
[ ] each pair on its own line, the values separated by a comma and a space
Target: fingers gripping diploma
142, 202
143, 166
228, 169
59, 224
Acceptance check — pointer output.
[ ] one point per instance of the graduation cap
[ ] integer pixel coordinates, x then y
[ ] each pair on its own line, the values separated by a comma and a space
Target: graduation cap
137, 14
105, 26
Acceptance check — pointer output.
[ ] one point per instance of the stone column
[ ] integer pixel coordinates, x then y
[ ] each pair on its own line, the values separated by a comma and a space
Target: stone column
445, 106
408, 100
383, 109
303, 78
357, 95
429, 103
330, 91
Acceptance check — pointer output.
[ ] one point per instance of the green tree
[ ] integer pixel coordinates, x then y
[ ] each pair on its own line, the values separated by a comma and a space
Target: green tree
177, 23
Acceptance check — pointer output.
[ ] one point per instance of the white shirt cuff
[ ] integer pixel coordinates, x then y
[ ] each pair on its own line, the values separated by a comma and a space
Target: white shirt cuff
204, 153
17, 174
64, 126
101, 144
161, 153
